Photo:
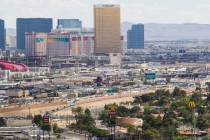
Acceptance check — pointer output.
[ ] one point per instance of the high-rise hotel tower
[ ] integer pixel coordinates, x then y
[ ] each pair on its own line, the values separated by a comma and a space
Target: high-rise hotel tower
107, 29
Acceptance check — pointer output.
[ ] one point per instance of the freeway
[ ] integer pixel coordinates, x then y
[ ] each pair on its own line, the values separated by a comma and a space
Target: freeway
94, 102
16, 129
118, 98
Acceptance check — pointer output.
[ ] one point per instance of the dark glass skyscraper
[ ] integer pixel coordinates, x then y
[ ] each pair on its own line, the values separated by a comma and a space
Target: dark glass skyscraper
135, 37
69, 23
29, 25
2, 35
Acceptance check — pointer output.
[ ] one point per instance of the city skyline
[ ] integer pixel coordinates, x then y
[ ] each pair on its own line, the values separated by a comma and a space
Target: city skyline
144, 11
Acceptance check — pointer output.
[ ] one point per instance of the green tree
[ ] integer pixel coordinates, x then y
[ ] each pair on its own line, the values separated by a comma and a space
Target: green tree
104, 116
2, 122
206, 138
163, 101
169, 132
145, 82
178, 93
109, 114
77, 110
196, 97
162, 93
123, 111
151, 134
134, 111
56, 129
169, 113
147, 97
87, 112
208, 97
202, 109
88, 120
202, 122
38, 120
186, 114
46, 127
98, 132
181, 138
84, 120
168, 79
151, 121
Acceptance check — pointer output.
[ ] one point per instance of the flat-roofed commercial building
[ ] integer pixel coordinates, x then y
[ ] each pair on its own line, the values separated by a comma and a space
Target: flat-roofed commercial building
107, 29
58, 44
87, 48
47, 44
82, 45
36, 44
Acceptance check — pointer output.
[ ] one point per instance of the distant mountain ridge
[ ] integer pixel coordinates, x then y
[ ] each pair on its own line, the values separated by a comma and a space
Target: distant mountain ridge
156, 31
187, 31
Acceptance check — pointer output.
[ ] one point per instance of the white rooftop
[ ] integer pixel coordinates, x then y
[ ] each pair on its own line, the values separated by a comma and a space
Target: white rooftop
107, 6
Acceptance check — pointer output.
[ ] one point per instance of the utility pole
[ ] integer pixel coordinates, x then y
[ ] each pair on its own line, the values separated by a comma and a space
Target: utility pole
191, 106
33, 131
112, 117
43, 135
29, 112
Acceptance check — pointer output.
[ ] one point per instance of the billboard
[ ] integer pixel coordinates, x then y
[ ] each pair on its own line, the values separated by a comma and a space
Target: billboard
150, 75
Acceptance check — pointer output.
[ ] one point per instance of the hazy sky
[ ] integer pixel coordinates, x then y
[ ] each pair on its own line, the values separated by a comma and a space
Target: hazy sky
138, 11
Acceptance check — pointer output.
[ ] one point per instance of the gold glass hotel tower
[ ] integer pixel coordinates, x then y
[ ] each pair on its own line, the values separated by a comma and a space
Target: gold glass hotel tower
107, 29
